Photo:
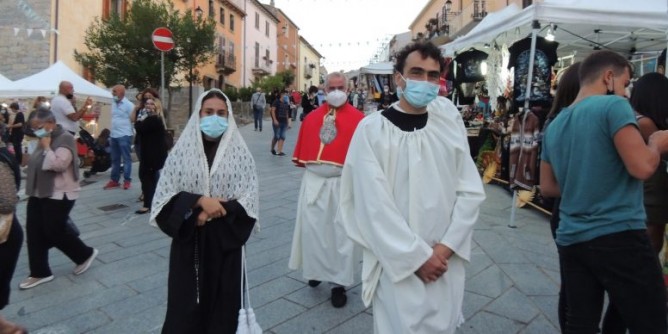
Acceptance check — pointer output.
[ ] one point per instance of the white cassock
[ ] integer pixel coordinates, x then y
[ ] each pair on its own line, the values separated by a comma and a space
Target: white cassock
320, 245
402, 193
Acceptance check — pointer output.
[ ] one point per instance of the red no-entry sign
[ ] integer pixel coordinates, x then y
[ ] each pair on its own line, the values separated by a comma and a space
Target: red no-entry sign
162, 39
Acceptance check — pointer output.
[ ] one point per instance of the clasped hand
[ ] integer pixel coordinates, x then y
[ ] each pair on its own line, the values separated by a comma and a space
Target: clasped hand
211, 208
437, 264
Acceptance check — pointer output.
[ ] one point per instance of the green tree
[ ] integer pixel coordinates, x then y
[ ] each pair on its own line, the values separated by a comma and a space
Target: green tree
120, 50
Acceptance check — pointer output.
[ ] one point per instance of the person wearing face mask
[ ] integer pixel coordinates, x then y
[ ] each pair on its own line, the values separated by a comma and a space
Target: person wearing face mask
64, 110
121, 139
595, 158
152, 131
281, 121
319, 245
52, 184
410, 196
207, 202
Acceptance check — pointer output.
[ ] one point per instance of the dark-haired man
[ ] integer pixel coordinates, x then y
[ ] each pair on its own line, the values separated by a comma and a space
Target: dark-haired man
281, 122
595, 159
410, 195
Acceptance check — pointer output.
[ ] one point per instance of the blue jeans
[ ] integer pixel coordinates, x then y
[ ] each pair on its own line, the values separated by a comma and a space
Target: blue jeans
279, 130
120, 148
624, 265
257, 116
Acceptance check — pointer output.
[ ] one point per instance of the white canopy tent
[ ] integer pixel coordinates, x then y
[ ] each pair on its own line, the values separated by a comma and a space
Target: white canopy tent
45, 83
4, 81
578, 26
378, 68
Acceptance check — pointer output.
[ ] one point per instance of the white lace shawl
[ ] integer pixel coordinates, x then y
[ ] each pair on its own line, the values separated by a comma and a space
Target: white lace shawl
232, 176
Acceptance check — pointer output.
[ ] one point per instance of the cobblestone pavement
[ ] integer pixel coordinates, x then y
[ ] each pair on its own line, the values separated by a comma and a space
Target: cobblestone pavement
512, 281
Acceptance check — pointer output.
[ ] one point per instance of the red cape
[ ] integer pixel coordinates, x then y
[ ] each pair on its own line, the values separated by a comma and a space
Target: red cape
310, 149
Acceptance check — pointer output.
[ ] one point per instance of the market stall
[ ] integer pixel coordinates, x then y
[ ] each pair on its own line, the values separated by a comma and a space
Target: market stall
535, 41
45, 83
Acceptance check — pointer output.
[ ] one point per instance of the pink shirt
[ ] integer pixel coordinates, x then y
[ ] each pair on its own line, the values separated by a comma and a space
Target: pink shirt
64, 183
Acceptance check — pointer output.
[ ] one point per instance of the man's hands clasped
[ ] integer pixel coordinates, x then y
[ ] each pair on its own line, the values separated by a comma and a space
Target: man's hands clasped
437, 264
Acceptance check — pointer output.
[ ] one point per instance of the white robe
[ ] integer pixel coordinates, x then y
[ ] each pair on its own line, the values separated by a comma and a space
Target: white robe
402, 193
320, 246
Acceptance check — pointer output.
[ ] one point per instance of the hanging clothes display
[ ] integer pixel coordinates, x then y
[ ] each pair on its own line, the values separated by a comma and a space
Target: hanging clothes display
468, 66
524, 150
498, 74
545, 58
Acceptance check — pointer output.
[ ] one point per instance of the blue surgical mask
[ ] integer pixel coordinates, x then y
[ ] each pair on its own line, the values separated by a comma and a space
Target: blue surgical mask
286, 99
418, 93
115, 98
41, 133
213, 126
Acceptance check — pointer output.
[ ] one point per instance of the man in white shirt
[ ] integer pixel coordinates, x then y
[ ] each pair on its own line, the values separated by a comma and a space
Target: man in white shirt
410, 195
121, 139
62, 107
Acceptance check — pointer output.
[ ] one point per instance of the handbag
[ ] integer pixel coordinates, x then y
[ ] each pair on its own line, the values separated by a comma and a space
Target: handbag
169, 138
5, 226
247, 321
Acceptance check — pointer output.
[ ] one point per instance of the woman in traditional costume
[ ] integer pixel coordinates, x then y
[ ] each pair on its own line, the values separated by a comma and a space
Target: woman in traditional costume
207, 201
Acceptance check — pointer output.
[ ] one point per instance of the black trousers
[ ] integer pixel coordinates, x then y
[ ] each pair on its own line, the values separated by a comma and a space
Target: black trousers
46, 225
18, 149
149, 181
9, 255
624, 265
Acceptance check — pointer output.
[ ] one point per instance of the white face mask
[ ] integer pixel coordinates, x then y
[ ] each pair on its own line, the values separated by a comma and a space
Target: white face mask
336, 98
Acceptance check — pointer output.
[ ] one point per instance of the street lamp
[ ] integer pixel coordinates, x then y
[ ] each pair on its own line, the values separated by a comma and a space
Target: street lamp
199, 12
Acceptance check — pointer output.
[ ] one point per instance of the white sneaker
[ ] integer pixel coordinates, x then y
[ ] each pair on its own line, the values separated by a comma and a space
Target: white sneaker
32, 282
80, 269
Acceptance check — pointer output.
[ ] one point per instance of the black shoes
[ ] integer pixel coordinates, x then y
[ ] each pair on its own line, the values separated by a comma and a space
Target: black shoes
339, 298
273, 151
313, 283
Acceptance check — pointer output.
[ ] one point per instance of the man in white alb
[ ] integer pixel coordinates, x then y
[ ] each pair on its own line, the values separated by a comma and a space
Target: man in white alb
410, 195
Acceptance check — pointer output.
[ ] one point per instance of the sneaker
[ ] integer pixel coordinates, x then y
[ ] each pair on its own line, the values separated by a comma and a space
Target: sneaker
339, 298
281, 154
80, 269
126, 184
111, 185
32, 282
313, 283
273, 151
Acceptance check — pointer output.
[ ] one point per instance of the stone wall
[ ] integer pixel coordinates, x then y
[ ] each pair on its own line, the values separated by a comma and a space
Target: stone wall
20, 55
179, 115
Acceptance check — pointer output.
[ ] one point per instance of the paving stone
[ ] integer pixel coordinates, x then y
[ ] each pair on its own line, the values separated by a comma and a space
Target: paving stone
549, 306
474, 303
360, 324
491, 282
479, 262
78, 324
321, 318
530, 280
540, 325
136, 304
513, 305
487, 323
148, 321
277, 312
273, 290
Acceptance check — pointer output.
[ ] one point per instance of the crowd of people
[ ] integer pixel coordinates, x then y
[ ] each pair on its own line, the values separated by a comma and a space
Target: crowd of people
367, 195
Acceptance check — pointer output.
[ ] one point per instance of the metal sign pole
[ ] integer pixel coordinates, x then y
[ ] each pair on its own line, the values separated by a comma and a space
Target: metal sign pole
162, 76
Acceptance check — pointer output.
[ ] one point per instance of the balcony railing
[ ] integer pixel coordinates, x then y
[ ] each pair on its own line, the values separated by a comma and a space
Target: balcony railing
226, 63
308, 71
261, 67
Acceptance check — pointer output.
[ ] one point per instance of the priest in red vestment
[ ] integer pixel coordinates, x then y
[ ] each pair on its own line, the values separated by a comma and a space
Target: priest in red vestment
320, 246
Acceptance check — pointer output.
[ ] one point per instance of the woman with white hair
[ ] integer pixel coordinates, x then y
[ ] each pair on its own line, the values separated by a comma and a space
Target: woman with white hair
207, 201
